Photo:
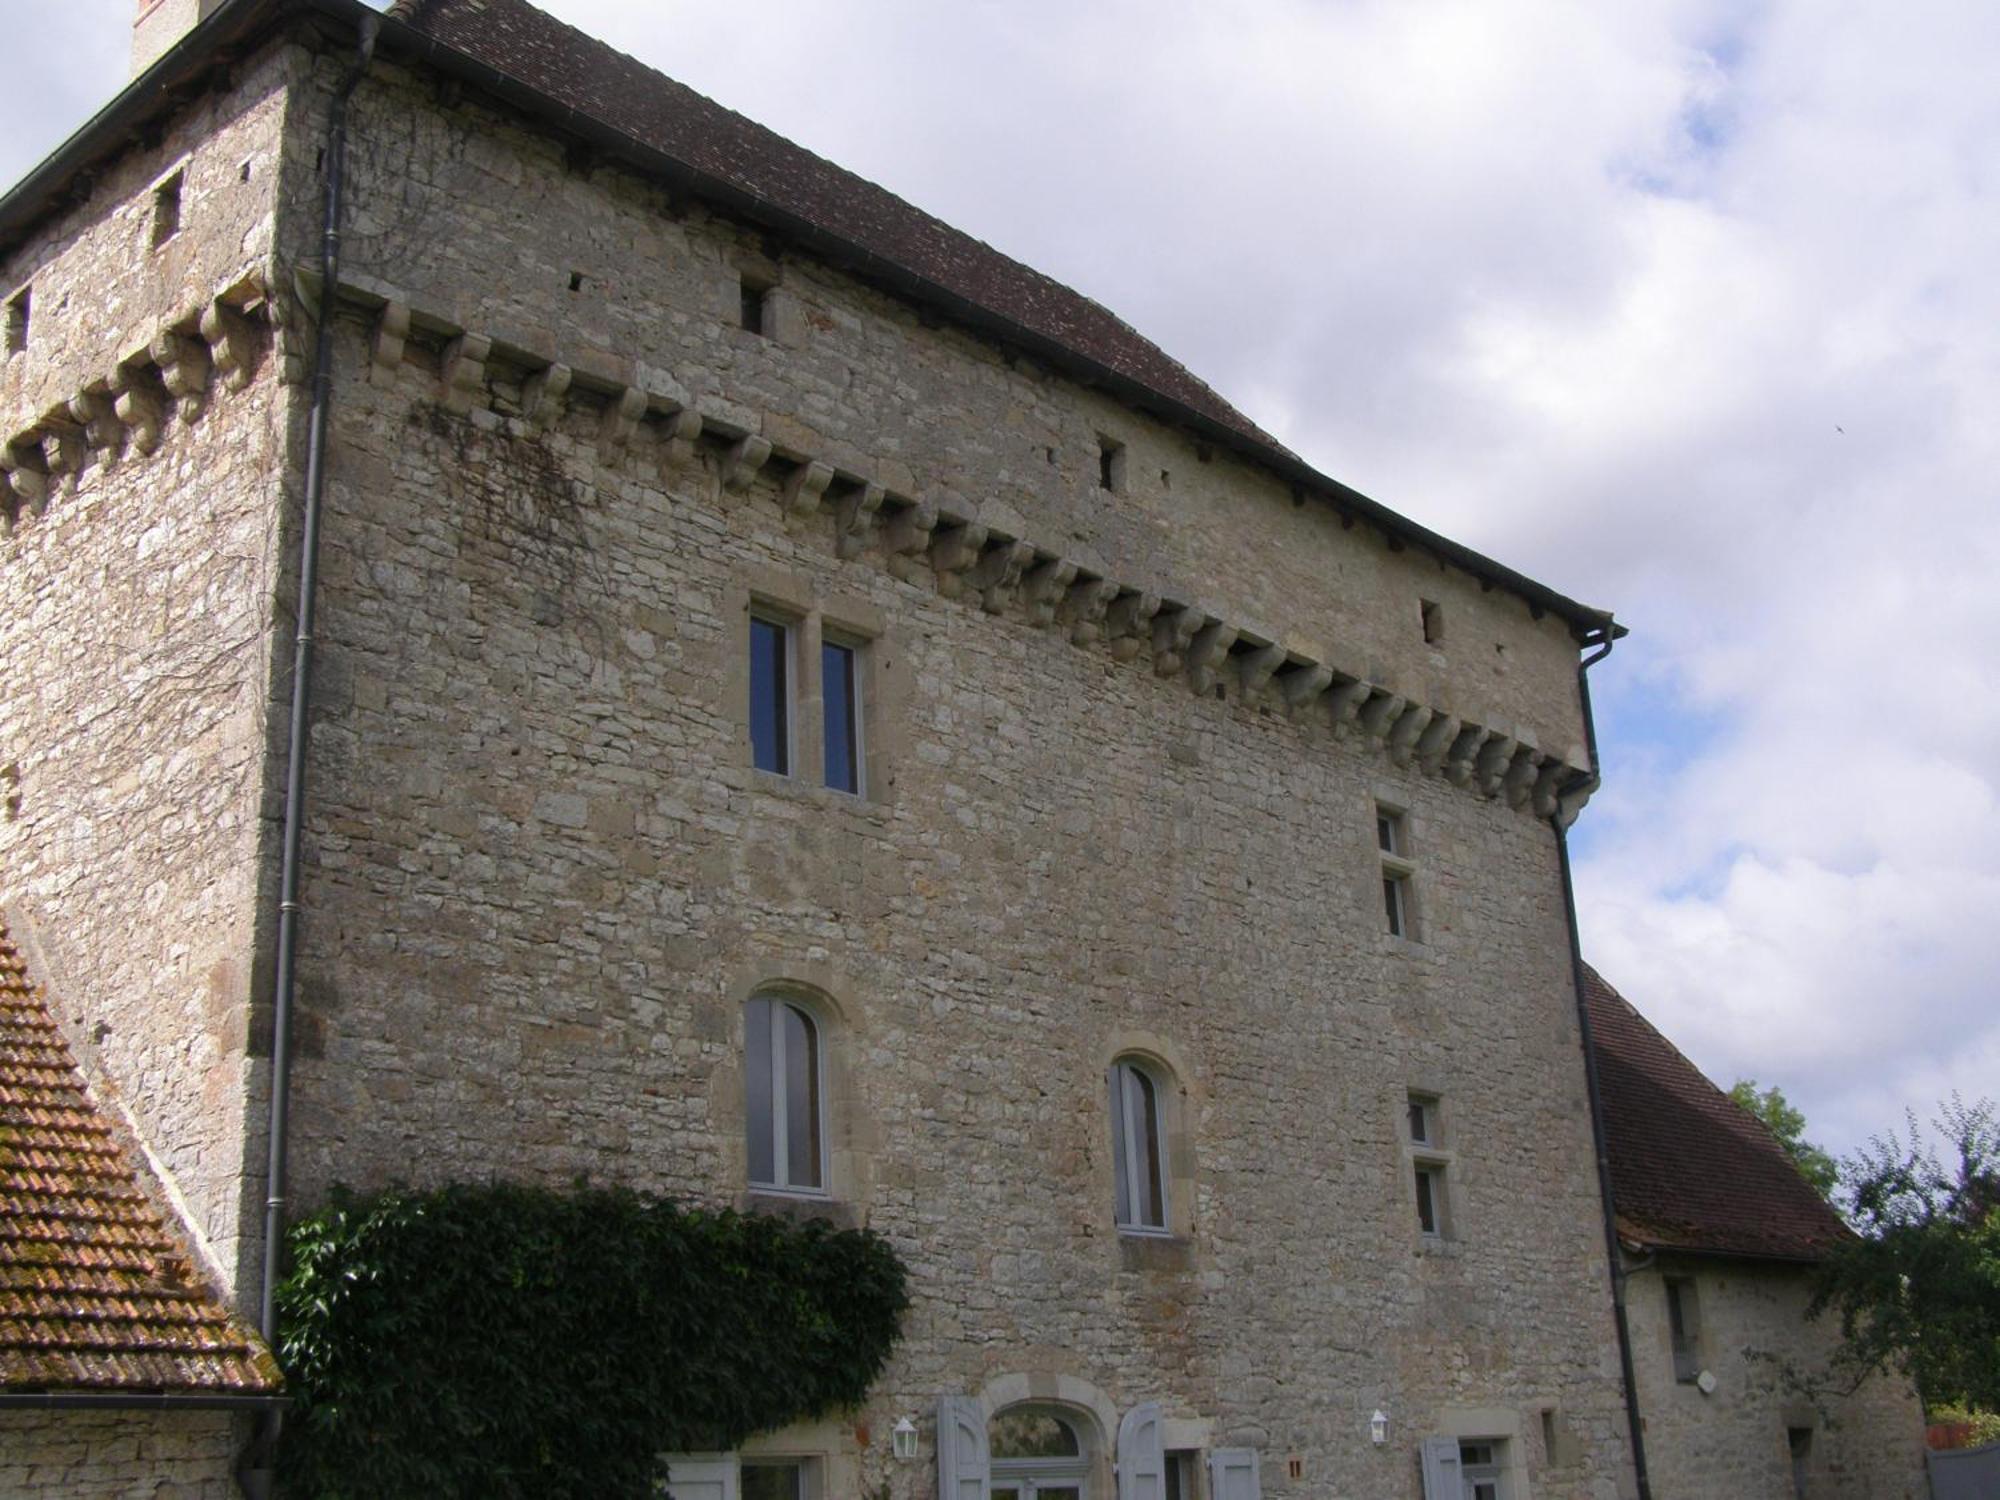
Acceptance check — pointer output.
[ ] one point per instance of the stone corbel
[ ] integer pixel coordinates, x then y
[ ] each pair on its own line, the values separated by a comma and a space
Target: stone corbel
1260, 666
1571, 799
392, 337
1406, 731
621, 419
26, 472
953, 550
183, 366
1083, 609
63, 445
140, 405
1464, 751
1128, 623
1517, 784
1543, 793
682, 432
1344, 703
854, 516
1173, 632
465, 370
231, 345
1379, 715
1207, 652
1437, 742
1301, 686
542, 396
745, 460
806, 487
907, 538
1044, 588
97, 415
997, 574
1494, 758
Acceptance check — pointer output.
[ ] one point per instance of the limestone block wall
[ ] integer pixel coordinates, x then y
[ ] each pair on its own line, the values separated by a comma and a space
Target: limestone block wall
74, 1455
482, 221
544, 878
146, 442
1752, 1331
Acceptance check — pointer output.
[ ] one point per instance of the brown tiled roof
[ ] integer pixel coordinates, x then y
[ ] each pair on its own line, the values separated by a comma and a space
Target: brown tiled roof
599, 82
1690, 1168
96, 1294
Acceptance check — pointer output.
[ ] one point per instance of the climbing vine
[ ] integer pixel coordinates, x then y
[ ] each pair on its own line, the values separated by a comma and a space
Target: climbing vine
504, 1341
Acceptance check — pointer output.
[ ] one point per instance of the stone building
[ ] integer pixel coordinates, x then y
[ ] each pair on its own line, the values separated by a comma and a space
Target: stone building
805, 713
1720, 1234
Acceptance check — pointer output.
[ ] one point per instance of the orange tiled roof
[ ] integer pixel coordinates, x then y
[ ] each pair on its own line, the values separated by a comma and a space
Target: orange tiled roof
96, 1292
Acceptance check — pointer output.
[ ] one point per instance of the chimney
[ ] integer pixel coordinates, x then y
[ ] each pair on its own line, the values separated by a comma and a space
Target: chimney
161, 23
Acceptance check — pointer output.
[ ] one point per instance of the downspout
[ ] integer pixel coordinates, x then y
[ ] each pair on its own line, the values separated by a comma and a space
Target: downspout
1563, 816
255, 1471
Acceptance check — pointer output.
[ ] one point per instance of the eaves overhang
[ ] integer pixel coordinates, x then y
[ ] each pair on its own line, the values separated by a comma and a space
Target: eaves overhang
237, 26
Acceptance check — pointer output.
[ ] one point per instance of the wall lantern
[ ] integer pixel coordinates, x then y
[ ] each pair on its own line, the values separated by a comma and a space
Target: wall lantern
903, 1439
1378, 1427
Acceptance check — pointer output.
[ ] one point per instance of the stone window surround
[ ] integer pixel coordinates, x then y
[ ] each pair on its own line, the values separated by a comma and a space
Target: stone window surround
1435, 1156
812, 616
1491, 1424
1401, 865
1094, 1413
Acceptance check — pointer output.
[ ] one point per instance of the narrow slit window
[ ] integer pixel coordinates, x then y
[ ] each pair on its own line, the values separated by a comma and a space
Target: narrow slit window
18, 308
840, 686
1421, 1124
1137, 1154
1110, 464
1430, 1195
754, 307
1392, 838
1433, 618
1684, 1327
167, 209
770, 695
1396, 904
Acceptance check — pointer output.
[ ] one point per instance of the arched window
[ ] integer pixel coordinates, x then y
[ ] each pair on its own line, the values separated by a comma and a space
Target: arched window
1037, 1452
1138, 1147
784, 1096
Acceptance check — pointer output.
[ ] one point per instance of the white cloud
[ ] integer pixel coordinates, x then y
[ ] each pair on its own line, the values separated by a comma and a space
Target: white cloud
1685, 306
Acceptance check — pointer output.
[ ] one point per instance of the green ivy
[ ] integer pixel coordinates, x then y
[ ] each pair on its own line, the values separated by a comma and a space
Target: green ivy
505, 1341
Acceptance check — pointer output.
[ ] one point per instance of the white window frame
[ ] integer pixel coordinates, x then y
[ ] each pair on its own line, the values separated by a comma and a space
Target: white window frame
1128, 1132
780, 1120
1399, 871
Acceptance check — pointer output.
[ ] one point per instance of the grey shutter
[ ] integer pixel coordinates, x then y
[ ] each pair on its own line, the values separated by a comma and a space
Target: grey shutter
961, 1449
1232, 1475
1442, 1479
1142, 1454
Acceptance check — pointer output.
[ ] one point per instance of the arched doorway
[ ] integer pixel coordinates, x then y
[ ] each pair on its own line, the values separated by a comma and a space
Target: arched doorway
1038, 1452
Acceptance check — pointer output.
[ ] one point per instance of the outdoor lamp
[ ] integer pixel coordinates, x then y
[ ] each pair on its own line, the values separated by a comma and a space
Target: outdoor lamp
1378, 1427
903, 1438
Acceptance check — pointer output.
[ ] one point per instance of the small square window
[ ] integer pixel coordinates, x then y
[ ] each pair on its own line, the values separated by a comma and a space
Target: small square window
771, 695
784, 1480
754, 307
19, 307
840, 690
167, 208
1181, 1470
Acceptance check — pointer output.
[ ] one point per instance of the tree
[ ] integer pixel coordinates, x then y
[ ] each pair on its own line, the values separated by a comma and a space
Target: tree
1788, 1125
1918, 1287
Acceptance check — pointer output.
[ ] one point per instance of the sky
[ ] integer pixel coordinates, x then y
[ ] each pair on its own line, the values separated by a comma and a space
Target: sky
1687, 308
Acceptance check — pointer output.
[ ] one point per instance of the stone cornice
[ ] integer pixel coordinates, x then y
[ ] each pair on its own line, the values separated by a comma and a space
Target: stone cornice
875, 507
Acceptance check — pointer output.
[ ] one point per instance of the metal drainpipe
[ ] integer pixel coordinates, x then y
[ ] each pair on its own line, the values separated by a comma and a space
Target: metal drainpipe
1612, 1250
255, 1472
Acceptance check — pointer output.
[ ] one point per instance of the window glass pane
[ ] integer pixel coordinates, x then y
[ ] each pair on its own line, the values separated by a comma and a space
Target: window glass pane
1028, 1433
1153, 1209
1420, 1125
1393, 901
757, 1089
1426, 1201
1385, 832
843, 724
770, 698
773, 1482
801, 1100
1120, 1168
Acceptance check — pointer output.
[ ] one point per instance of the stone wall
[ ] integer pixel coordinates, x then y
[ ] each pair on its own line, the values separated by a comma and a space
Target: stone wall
1752, 1332
137, 589
78, 1455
